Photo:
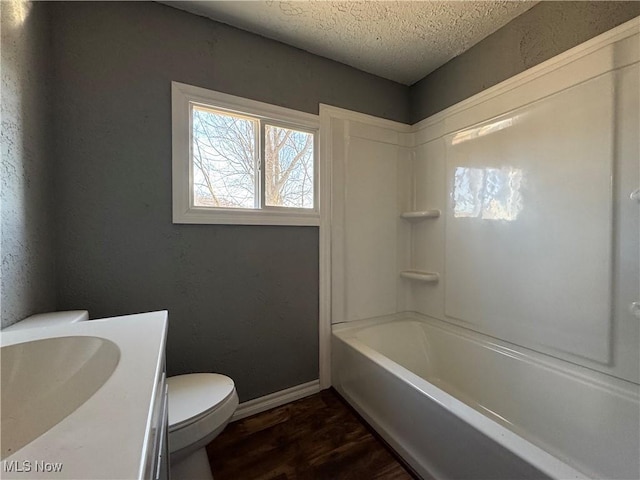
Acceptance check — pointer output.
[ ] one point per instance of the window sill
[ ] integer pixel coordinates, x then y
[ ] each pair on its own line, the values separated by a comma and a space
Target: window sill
246, 217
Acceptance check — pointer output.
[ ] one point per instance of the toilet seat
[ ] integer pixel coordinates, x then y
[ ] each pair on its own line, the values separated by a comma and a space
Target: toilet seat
200, 406
194, 395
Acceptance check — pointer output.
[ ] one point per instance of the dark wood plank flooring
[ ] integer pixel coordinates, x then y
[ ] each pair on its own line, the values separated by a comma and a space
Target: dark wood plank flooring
318, 437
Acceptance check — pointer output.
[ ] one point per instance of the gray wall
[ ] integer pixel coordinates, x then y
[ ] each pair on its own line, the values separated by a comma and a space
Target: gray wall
28, 277
242, 300
547, 29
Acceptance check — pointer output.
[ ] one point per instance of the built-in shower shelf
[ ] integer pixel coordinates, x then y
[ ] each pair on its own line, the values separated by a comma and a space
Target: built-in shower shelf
420, 276
420, 215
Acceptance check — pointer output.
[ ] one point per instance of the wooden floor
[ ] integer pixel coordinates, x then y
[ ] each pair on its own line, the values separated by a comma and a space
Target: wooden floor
318, 437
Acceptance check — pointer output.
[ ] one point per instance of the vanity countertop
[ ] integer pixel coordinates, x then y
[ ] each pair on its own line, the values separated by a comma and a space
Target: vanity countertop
108, 435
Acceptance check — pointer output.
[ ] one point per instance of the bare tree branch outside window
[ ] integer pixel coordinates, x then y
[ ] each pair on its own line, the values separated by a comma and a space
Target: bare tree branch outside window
225, 162
288, 168
223, 159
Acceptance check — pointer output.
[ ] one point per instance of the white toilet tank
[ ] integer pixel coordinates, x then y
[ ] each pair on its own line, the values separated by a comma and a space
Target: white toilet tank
52, 319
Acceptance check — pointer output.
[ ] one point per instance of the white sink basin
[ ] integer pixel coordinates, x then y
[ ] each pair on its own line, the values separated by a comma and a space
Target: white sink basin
80, 396
44, 381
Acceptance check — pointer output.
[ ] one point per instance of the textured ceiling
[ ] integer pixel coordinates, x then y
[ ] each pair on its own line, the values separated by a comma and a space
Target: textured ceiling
398, 40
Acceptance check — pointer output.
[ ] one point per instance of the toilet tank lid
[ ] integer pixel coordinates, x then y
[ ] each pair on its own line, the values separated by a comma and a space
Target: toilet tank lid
194, 394
50, 319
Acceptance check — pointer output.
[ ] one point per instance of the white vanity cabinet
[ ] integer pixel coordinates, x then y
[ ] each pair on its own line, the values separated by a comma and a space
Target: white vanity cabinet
157, 457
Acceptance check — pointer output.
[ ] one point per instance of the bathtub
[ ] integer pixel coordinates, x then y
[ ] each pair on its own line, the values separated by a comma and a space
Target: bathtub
460, 405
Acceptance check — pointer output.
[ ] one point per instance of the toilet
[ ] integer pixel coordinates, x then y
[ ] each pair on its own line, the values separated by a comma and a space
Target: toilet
200, 406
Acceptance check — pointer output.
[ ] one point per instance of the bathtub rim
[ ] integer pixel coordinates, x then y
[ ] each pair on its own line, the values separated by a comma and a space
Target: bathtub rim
518, 445
624, 388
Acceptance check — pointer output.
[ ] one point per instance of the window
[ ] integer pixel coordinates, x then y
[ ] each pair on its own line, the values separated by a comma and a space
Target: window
238, 161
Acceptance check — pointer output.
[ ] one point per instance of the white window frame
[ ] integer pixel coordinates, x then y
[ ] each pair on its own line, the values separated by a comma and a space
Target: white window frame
183, 96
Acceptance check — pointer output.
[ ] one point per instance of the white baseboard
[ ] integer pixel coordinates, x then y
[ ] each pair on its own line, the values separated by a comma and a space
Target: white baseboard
262, 404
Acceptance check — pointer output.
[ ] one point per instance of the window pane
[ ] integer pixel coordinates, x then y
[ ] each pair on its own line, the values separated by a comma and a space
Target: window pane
288, 167
224, 153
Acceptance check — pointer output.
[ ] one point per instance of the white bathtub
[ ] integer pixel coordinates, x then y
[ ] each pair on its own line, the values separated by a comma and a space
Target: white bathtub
460, 405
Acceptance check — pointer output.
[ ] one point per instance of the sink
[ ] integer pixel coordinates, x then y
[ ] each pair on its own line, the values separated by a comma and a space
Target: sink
44, 381
80, 395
